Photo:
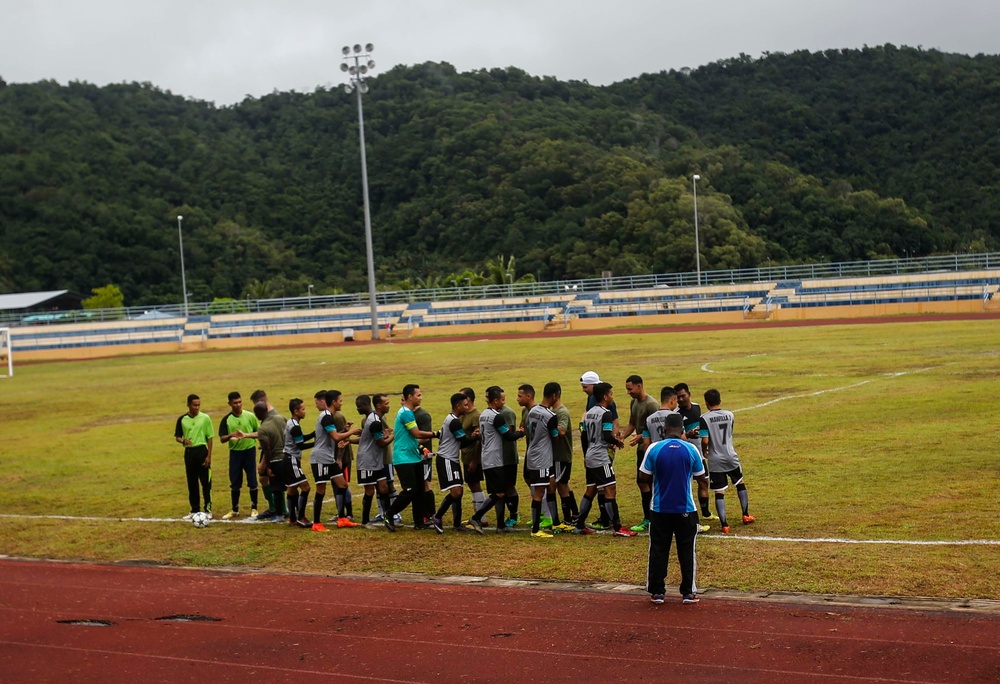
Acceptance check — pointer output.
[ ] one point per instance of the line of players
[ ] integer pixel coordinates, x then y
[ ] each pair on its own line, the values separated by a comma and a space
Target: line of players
474, 448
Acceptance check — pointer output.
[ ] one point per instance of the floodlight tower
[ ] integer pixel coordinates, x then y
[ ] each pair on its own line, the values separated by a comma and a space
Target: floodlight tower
180, 241
697, 248
362, 64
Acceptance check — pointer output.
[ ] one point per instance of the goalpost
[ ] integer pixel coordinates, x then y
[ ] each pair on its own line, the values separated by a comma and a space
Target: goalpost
6, 355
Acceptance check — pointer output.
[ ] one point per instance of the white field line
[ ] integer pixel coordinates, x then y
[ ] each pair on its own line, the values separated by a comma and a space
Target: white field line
761, 538
827, 391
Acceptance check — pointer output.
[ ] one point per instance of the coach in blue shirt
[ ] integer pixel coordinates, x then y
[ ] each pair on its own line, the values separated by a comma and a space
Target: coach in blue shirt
669, 465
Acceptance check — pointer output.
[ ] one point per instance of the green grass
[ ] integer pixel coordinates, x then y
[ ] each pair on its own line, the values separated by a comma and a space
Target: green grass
889, 434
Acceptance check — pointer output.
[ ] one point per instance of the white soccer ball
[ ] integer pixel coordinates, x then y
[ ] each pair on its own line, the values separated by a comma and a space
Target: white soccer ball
200, 519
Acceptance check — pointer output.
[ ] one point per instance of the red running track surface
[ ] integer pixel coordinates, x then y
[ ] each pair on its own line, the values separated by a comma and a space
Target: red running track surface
278, 628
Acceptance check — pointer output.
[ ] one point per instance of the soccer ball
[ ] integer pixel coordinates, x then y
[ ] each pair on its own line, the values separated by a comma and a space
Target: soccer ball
199, 519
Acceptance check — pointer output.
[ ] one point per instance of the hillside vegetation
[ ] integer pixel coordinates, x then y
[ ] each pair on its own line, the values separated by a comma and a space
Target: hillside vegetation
803, 157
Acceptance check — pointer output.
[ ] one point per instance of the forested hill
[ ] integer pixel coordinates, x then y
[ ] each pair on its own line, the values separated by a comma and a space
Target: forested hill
830, 156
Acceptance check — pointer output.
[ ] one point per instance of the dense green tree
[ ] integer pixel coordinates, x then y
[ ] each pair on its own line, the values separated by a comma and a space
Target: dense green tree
803, 157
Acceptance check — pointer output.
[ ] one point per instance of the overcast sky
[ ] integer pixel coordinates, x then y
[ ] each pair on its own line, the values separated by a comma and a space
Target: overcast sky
223, 50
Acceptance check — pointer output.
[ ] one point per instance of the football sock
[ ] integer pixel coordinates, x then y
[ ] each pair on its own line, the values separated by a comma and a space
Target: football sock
385, 504
487, 505
611, 508
366, 508
573, 507
478, 500
581, 519
445, 505
428, 502
293, 506
279, 503
703, 502
456, 511
720, 508
512, 502
348, 503
253, 499
647, 498
741, 491
554, 512
338, 497
318, 506
303, 502
602, 516
536, 515
567, 507
269, 496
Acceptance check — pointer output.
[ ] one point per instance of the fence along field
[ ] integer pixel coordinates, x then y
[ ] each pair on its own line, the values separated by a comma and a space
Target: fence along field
876, 433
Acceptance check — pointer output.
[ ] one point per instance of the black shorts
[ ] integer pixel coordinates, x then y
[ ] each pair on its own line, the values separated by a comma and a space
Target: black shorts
372, 477
287, 472
510, 475
474, 476
601, 476
496, 480
562, 471
537, 478
390, 472
428, 470
325, 472
718, 482
449, 473
411, 475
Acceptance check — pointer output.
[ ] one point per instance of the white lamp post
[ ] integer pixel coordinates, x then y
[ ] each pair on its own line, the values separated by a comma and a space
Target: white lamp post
697, 248
180, 240
357, 84
310, 295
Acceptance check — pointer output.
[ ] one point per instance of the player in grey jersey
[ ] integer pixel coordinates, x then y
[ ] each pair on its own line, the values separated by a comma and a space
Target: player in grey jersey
656, 423
295, 481
373, 474
493, 431
599, 441
451, 441
541, 427
723, 463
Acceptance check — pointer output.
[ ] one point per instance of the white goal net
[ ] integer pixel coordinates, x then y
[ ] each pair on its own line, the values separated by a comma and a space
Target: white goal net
6, 356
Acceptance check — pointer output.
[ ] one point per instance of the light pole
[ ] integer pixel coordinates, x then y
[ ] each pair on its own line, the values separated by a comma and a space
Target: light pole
357, 84
697, 248
180, 240
310, 295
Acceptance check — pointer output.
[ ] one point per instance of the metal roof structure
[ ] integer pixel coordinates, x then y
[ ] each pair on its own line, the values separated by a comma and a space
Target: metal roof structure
29, 300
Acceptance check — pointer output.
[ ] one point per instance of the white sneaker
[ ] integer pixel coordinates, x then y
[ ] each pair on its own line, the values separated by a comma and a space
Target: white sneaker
253, 514
187, 518
230, 515
209, 514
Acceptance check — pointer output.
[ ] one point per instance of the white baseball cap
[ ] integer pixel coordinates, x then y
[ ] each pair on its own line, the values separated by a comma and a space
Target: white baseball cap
590, 378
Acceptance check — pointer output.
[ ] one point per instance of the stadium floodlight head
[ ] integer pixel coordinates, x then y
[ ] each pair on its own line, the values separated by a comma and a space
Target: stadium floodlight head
371, 63
346, 50
343, 66
352, 71
348, 88
357, 47
369, 47
363, 87
363, 69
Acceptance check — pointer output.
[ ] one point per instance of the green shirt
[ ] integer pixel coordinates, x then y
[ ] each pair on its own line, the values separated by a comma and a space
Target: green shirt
271, 435
197, 429
562, 446
347, 453
247, 422
405, 448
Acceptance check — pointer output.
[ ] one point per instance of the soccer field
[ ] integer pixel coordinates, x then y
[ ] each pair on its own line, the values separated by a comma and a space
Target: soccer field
849, 433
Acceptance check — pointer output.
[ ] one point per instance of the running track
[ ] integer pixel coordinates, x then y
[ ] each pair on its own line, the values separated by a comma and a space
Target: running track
279, 628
